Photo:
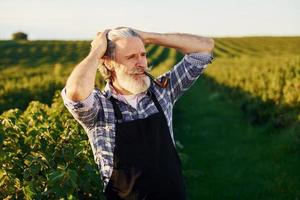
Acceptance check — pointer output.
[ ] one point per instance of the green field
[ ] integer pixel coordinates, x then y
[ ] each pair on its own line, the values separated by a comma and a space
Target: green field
237, 129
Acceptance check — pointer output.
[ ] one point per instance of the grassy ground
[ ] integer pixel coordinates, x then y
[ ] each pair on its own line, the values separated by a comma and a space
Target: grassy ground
225, 157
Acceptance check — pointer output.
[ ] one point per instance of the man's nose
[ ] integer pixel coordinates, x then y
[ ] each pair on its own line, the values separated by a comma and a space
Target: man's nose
141, 62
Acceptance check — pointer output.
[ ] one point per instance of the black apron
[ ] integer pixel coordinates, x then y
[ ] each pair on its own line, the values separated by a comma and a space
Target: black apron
146, 164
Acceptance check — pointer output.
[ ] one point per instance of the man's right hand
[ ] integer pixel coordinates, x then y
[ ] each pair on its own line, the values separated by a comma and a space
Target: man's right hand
81, 81
99, 44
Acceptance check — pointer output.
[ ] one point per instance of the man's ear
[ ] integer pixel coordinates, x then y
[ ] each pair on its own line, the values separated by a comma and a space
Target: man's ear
109, 63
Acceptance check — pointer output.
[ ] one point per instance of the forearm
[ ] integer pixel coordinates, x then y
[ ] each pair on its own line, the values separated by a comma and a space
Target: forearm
186, 43
81, 82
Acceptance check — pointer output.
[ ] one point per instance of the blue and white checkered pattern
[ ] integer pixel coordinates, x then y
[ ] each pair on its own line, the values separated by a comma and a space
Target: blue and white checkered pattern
96, 114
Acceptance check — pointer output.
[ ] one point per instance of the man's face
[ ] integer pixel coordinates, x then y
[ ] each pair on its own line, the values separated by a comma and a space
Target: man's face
131, 60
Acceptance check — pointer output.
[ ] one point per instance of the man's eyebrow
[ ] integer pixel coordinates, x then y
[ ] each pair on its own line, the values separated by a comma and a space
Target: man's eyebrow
144, 52
130, 55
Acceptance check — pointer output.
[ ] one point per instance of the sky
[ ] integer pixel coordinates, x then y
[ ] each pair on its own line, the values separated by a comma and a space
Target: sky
82, 19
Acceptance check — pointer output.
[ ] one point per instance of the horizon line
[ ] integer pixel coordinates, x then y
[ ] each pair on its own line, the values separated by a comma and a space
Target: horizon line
212, 36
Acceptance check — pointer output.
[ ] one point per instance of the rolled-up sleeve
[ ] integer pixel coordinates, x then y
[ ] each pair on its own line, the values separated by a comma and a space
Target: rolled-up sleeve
199, 59
85, 111
186, 72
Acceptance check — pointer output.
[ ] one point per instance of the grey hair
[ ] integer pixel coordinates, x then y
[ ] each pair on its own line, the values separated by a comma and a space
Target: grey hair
113, 36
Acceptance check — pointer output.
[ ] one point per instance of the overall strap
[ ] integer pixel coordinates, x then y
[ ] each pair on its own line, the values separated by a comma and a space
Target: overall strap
156, 103
117, 111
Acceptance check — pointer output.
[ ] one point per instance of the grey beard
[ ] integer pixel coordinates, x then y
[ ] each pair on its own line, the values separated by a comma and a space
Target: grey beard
135, 86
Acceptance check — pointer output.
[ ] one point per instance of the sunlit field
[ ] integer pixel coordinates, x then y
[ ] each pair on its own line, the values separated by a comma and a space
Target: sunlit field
237, 128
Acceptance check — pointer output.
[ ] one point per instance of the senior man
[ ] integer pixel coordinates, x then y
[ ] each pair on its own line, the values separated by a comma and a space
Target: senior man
129, 124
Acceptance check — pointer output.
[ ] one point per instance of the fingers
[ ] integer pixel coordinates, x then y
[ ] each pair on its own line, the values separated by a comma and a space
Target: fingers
101, 36
104, 32
99, 44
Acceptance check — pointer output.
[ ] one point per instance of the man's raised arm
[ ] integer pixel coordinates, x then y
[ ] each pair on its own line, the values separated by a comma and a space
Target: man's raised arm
185, 43
198, 52
81, 82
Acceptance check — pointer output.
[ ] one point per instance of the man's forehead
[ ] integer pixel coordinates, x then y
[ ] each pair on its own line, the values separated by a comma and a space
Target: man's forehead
129, 45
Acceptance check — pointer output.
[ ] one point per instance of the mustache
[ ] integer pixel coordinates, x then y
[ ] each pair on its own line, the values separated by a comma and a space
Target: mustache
138, 70
163, 83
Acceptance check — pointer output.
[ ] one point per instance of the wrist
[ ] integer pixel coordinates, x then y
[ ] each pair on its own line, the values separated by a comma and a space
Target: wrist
152, 38
95, 57
146, 37
94, 54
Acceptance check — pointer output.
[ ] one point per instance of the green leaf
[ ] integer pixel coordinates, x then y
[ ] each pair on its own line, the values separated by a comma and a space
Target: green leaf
29, 192
56, 177
3, 177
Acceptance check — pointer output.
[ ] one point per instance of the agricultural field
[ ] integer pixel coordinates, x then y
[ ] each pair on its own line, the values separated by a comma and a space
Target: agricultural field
267, 73
237, 129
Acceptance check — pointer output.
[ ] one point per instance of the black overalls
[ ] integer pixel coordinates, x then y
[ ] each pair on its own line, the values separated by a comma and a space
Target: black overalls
146, 164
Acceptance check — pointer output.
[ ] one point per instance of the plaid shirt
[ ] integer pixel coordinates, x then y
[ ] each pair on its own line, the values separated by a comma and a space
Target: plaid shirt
96, 114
